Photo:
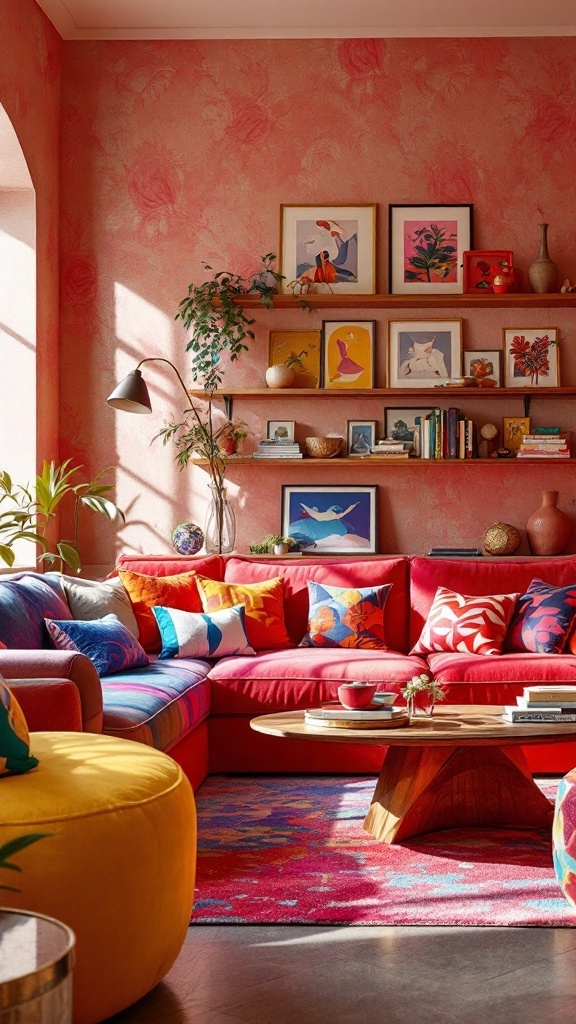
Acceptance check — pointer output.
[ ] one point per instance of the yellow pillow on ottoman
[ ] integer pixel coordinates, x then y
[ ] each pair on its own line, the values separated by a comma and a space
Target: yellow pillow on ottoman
264, 604
15, 757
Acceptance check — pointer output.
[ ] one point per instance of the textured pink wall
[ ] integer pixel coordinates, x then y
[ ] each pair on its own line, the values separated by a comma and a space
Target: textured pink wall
30, 94
176, 152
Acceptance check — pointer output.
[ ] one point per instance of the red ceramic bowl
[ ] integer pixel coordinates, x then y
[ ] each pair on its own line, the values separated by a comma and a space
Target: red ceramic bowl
355, 696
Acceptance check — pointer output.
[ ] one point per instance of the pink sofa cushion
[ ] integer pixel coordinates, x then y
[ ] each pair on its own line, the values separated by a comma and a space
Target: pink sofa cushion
518, 668
301, 678
336, 572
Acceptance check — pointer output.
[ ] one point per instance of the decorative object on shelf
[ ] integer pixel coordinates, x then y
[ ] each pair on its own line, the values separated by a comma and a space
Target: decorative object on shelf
423, 353
220, 526
231, 436
280, 430
513, 430
187, 538
299, 350
400, 423
331, 519
501, 539
421, 694
504, 279
543, 273
567, 286
274, 544
502, 453
330, 247
348, 353
427, 246
483, 364
361, 437
322, 447
489, 440
548, 528
480, 266
279, 376
531, 357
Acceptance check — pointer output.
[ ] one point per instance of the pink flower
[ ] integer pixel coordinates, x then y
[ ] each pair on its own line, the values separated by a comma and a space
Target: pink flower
249, 122
361, 58
80, 279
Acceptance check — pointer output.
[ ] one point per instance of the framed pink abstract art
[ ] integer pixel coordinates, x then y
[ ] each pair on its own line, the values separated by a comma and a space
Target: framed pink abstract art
426, 247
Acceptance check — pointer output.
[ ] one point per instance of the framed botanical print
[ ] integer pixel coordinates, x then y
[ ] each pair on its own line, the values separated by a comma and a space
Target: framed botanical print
331, 519
348, 353
301, 351
361, 437
531, 358
426, 248
329, 248
423, 353
514, 429
482, 364
480, 267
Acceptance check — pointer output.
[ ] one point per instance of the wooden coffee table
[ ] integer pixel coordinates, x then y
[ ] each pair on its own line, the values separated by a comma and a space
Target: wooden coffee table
464, 766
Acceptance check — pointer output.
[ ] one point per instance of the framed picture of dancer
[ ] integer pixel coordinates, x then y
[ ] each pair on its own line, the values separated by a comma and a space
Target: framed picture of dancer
331, 519
347, 354
423, 353
328, 249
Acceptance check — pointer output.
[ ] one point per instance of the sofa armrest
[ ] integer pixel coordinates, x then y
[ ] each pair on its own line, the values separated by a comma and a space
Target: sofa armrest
46, 664
49, 704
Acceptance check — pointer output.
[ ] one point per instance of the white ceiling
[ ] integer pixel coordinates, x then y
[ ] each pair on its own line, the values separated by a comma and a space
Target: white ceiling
302, 19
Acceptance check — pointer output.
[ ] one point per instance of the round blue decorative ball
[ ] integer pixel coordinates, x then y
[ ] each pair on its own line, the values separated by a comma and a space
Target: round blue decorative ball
187, 538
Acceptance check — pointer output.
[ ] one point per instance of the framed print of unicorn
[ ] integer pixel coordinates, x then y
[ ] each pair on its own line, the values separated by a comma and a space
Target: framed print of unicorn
426, 248
423, 353
328, 249
348, 353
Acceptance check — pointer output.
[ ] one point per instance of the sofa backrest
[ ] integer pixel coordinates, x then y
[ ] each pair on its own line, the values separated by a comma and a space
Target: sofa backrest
479, 577
171, 565
25, 598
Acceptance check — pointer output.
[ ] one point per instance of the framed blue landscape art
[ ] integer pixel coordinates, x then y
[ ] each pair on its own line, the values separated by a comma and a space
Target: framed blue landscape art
331, 519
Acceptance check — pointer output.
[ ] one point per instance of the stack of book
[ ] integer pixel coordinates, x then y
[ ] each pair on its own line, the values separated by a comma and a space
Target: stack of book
444, 434
334, 716
388, 448
554, 703
277, 450
545, 444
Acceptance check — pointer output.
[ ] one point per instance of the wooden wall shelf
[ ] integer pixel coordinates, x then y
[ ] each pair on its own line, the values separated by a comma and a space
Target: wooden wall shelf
358, 463
528, 300
427, 396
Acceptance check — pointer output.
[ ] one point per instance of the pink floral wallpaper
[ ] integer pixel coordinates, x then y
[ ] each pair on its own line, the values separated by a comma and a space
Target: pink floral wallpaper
175, 153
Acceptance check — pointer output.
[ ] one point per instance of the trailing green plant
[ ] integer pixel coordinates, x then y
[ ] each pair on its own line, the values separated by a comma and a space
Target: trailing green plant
13, 846
267, 544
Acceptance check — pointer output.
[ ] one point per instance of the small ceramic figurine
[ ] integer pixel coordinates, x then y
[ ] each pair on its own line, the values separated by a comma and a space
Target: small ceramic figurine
567, 286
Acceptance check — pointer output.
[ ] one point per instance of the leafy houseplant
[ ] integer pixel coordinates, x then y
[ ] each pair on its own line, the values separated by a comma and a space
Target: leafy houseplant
422, 684
271, 541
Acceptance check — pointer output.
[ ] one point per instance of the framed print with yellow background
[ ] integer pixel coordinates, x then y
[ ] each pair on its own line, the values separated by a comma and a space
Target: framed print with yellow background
531, 358
513, 430
301, 351
348, 353
328, 248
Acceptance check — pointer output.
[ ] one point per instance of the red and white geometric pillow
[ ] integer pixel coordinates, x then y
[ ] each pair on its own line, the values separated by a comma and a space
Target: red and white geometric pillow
472, 625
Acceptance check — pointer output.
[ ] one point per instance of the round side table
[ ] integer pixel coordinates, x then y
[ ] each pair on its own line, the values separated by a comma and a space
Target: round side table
36, 962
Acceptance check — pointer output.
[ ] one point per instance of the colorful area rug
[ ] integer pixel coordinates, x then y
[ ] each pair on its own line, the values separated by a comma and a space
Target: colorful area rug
291, 850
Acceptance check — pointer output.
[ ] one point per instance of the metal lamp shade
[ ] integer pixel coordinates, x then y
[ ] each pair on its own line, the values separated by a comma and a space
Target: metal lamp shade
131, 394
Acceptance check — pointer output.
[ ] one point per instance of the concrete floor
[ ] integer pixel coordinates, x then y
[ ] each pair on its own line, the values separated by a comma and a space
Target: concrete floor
230, 974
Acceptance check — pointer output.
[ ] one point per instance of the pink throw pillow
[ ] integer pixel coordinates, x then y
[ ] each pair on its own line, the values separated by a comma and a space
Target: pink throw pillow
472, 625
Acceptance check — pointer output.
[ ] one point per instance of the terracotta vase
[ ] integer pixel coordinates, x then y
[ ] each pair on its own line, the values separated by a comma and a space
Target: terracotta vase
543, 273
548, 528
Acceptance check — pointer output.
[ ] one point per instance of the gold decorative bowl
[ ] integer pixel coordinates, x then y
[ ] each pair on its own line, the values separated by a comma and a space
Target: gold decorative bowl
322, 447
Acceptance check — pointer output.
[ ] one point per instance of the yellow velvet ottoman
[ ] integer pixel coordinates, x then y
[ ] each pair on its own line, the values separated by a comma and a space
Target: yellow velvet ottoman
118, 866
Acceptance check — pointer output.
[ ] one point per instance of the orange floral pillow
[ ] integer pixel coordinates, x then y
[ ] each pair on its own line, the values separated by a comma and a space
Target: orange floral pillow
346, 617
264, 604
169, 591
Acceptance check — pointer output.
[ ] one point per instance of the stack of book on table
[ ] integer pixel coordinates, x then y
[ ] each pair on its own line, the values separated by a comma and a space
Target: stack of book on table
554, 703
277, 450
547, 443
334, 716
388, 448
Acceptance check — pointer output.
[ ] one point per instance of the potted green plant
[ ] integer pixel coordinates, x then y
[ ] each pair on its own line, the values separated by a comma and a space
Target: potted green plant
424, 686
274, 544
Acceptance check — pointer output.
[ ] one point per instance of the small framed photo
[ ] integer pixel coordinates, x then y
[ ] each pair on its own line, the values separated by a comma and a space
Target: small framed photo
426, 248
328, 248
301, 351
482, 364
423, 353
331, 519
400, 422
361, 437
480, 267
348, 353
280, 430
531, 358
514, 429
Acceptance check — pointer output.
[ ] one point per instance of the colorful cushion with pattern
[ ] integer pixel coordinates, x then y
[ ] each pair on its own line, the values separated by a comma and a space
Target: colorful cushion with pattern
199, 635
88, 600
459, 622
346, 617
264, 604
178, 591
15, 756
109, 645
543, 619
564, 836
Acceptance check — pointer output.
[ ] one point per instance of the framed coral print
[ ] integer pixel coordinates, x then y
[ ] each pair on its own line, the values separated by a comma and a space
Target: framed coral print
423, 353
361, 437
328, 248
531, 358
480, 267
426, 248
482, 364
514, 429
332, 519
348, 353
301, 351
280, 430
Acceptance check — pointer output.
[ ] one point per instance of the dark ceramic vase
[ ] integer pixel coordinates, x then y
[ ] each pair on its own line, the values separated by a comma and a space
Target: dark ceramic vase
548, 528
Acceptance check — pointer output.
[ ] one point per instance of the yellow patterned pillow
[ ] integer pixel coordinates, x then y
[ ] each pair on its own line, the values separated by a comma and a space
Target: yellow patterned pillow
264, 604
15, 757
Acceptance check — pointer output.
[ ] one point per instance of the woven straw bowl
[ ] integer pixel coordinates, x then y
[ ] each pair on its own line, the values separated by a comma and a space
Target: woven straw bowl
322, 447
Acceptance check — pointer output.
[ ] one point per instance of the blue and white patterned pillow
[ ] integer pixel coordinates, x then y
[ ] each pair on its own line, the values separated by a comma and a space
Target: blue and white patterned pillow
109, 645
199, 635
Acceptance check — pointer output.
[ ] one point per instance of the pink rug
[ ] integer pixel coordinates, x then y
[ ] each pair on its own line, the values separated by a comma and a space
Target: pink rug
291, 850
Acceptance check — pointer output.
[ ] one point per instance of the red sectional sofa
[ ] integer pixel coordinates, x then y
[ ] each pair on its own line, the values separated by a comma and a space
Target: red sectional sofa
200, 711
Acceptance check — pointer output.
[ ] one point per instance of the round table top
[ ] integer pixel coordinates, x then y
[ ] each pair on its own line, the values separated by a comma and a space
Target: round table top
450, 725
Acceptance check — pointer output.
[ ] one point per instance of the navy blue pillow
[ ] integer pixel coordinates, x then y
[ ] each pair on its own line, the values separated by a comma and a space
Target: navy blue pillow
109, 645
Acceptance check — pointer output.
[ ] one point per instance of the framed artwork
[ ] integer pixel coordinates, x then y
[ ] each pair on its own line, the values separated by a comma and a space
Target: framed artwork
348, 353
299, 350
478, 268
531, 358
361, 437
329, 248
426, 247
280, 430
423, 353
513, 430
400, 422
331, 519
483, 363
